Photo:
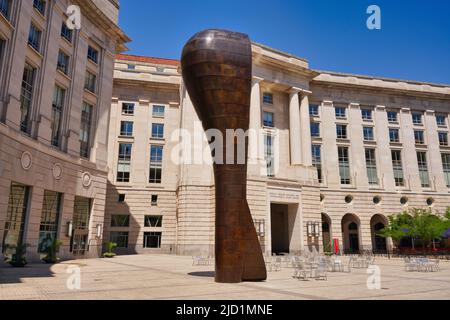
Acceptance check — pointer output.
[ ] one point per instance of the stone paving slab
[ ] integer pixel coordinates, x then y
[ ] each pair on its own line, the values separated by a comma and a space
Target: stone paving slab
145, 277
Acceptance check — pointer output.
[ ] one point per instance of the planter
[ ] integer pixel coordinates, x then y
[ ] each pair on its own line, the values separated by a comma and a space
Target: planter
109, 255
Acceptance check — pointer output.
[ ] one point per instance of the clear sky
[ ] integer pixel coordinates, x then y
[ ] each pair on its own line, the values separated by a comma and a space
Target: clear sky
413, 43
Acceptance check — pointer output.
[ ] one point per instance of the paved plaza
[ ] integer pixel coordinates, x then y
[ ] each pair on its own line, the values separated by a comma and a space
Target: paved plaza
172, 277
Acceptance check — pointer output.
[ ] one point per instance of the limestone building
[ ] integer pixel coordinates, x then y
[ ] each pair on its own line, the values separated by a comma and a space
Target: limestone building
55, 98
339, 154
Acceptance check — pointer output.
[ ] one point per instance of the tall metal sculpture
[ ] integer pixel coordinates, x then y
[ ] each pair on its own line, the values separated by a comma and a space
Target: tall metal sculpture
217, 72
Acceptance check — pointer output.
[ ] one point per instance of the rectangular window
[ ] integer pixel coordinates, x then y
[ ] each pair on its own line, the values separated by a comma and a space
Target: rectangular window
313, 110
269, 155
90, 82
153, 221
423, 169
57, 114
317, 160
126, 128
392, 117
63, 62
18, 203
128, 109
85, 129
156, 159
131, 67
159, 111
124, 163
267, 98
394, 135
446, 166
371, 164
81, 213
441, 121
315, 129
341, 113
341, 131
367, 114
5, 6
443, 139
48, 230
39, 5
154, 200
368, 134
120, 221
34, 37
157, 131
26, 97
92, 54
417, 119
121, 198
120, 238
66, 33
344, 165
152, 240
419, 137
268, 119
398, 168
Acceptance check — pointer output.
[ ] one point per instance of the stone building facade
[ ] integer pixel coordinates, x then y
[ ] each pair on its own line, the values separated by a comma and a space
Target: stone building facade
55, 99
336, 155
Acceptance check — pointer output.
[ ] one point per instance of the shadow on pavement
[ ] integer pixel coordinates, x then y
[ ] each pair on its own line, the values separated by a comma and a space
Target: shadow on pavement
205, 274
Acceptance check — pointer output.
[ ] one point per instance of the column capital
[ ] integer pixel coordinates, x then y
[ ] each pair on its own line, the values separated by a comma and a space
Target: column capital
296, 90
354, 105
256, 79
430, 112
379, 107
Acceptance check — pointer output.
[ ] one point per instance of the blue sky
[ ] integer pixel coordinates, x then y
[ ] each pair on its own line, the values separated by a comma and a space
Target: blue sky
413, 44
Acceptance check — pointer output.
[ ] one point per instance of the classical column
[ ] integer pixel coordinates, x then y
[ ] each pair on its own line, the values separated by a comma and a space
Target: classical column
294, 126
254, 153
305, 130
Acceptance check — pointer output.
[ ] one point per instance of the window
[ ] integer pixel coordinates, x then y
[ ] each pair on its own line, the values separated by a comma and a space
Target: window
92, 54
392, 117
124, 163
131, 67
349, 199
315, 129
152, 240
419, 137
317, 160
267, 98
417, 119
153, 221
2, 47
66, 33
344, 165
85, 129
398, 168
314, 110
48, 230
63, 62
120, 238
126, 128
394, 135
368, 134
268, 119
446, 165
441, 121
341, 131
423, 169
81, 213
367, 114
18, 204
157, 131
154, 200
341, 113
34, 37
120, 221
443, 139
5, 6
159, 111
121, 198
90, 81
371, 165
39, 5
156, 159
269, 155
26, 97
128, 109
57, 114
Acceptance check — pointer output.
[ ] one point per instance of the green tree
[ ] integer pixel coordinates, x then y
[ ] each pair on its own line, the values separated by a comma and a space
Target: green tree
398, 228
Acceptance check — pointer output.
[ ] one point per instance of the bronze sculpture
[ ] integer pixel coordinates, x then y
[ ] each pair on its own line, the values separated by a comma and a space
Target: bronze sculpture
217, 72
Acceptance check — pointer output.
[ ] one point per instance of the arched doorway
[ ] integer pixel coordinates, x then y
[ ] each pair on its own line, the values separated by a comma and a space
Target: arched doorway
378, 223
326, 233
350, 234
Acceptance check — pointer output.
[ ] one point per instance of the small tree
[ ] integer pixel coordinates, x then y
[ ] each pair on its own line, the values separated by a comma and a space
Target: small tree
18, 259
398, 228
110, 246
427, 226
52, 252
